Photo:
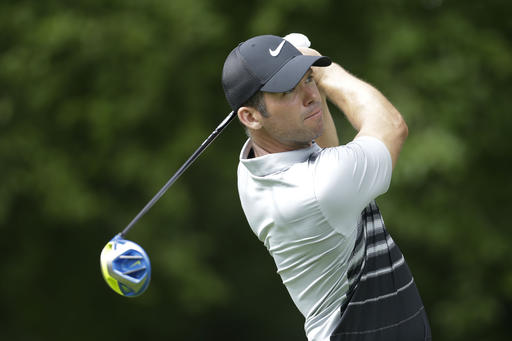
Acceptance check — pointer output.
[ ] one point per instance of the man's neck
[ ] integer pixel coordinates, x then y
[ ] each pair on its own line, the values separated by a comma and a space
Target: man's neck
270, 149
258, 151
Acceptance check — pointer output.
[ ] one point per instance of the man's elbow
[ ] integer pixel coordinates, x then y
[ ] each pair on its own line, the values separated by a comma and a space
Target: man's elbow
401, 129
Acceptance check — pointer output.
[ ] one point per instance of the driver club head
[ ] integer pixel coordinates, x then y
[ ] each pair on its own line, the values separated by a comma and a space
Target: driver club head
125, 267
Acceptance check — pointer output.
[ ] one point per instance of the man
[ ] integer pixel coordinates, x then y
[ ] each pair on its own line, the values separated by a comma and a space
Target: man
311, 201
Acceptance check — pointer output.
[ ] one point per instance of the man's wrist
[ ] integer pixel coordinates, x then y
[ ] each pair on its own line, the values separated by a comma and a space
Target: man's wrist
331, 79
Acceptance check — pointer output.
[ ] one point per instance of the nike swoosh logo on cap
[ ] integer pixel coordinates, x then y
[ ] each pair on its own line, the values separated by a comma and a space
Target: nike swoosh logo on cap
275, 53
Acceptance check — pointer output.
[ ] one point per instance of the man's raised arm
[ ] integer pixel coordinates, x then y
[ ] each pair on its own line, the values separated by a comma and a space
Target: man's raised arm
369, 112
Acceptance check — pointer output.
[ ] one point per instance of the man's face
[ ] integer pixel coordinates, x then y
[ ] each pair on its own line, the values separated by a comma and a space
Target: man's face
294, 117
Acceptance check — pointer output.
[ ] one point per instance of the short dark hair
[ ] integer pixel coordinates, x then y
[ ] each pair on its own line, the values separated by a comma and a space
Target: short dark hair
258, 102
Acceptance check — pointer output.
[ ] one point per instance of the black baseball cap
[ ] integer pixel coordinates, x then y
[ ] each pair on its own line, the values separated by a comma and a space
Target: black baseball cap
264, 63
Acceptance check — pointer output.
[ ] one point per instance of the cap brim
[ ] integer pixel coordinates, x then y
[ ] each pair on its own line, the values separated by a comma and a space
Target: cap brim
292, 72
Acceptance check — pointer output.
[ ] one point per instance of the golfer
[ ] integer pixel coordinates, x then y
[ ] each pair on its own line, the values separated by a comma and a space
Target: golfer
311, 201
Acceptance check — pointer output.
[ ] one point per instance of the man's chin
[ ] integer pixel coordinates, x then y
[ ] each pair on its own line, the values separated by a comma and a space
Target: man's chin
320, 130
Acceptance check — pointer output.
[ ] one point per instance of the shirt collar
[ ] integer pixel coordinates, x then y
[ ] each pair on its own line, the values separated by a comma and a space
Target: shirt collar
275, 162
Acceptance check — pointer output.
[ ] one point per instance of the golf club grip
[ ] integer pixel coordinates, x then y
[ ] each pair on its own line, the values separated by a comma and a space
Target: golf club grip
180, 171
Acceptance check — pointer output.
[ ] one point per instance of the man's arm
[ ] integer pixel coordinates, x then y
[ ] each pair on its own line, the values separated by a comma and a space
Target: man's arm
329, 137
369, 112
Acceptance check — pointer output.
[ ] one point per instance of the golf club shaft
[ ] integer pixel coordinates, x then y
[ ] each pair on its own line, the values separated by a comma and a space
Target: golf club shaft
180, 171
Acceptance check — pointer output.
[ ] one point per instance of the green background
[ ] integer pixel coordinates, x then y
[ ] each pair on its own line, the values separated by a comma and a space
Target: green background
101, 101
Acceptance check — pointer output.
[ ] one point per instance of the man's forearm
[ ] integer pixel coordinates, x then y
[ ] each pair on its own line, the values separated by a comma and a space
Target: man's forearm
369, 112
329, 137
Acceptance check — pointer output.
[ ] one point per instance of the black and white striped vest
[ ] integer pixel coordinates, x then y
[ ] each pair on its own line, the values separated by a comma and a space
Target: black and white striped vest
383, 302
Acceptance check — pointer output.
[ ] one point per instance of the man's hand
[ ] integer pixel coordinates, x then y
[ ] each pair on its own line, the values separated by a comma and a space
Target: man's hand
302, 43
318, 72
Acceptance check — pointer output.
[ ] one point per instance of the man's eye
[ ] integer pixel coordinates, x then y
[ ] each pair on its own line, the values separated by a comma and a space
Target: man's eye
309, 79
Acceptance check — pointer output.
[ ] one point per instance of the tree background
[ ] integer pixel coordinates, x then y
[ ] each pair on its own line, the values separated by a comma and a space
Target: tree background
101, 101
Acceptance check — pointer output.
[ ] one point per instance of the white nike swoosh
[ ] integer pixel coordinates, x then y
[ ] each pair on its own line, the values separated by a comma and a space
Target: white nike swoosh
275, 53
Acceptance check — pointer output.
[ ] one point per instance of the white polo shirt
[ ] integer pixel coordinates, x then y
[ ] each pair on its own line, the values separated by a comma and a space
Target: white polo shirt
304, 205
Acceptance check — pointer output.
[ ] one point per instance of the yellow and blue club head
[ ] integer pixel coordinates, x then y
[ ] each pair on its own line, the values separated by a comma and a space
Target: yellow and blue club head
125, 267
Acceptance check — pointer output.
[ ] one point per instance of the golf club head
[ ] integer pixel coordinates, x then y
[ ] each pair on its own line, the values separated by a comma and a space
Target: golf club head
125, 267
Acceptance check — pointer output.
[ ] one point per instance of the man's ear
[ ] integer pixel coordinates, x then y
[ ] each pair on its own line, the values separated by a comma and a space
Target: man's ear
250, 117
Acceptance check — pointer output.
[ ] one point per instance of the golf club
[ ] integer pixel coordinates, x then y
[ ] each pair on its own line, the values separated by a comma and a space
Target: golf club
180, 171
124, 264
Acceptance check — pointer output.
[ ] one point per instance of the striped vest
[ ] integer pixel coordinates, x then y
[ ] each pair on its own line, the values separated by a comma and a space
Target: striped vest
382, 302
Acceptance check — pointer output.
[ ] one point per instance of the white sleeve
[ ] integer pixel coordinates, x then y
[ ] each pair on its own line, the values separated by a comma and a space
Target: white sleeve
347, 178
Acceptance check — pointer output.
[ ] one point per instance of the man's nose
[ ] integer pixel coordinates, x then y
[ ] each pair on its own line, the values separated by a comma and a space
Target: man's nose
311, 94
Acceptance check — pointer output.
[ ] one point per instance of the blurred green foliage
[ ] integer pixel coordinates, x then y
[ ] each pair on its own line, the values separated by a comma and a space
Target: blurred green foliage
101, 101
